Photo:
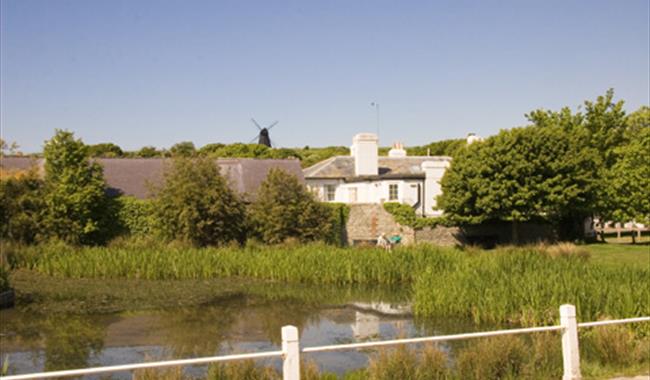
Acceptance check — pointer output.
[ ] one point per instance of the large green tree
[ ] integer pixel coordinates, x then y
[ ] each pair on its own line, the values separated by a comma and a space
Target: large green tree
75, 197
522, 174
195, 204
628, 181
284, 209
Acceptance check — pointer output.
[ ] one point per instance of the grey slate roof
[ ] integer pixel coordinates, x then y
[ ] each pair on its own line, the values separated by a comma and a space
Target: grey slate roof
389, 167
135, 176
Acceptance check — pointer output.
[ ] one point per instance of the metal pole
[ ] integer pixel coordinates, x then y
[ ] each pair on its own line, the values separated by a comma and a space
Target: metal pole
376, 105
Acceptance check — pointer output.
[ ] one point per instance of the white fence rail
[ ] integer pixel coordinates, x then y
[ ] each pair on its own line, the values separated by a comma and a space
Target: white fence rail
290, 352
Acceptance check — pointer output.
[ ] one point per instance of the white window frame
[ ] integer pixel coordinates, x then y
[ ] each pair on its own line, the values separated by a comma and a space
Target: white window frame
392, 186
330, 193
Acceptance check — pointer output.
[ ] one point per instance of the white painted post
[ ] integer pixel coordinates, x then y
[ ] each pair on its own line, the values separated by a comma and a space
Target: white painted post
570, 351
291, 356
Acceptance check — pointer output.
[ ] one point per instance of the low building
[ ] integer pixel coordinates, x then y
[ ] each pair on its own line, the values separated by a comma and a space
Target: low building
364, 177
138, 176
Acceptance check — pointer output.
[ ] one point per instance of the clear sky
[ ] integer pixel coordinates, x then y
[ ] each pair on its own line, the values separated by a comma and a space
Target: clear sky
139, 72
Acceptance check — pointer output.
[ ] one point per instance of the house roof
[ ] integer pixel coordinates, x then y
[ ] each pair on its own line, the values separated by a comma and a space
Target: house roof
135, 176
342, 167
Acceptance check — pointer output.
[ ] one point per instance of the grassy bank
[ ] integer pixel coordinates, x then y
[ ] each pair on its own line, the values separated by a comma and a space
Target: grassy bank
522, 285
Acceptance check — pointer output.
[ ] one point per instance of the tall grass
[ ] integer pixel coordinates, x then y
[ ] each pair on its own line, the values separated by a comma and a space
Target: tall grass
526, 285
318, 264
521, 285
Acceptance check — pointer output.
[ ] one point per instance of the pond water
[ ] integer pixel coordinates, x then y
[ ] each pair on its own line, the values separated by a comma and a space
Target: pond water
241, 322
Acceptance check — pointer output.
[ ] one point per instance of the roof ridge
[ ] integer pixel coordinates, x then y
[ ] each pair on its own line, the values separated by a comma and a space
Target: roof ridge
315, 168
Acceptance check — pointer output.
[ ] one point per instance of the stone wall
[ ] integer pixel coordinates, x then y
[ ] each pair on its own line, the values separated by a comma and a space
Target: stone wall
440, 235
367, 221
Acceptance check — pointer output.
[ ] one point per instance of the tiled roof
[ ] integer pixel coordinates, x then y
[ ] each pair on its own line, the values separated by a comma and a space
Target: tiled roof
135, 176
389, 167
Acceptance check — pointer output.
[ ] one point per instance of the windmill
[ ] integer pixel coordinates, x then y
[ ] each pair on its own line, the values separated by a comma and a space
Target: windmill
263, 137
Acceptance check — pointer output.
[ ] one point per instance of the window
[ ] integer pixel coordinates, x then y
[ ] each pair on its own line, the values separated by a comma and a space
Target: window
393, 194
330, 193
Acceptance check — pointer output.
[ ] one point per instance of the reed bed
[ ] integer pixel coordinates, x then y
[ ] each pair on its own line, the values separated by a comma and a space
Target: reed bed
317, 264
526, 286
523, 285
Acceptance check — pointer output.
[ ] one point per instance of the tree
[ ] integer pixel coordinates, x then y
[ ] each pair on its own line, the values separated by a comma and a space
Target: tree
75, 196
195, 204
183, 149
523, 174
147, 152
285, 209
108, 150
439, 148
628, 181
9, 149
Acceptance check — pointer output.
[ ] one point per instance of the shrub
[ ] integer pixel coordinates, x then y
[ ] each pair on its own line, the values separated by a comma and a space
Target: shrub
136, 216
339, 213
195, 204
21, 206
405, 215
285, 209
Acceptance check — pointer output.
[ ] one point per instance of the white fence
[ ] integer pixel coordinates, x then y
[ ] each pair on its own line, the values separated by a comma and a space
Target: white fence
290, 352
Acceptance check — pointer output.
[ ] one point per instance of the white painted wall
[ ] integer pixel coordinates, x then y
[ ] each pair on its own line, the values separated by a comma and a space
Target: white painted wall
433, 170
368, 191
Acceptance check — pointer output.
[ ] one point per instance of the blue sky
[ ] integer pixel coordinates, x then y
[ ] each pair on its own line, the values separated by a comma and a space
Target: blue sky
142, 72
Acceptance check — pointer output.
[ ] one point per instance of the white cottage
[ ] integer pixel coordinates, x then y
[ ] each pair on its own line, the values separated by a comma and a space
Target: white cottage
364, 177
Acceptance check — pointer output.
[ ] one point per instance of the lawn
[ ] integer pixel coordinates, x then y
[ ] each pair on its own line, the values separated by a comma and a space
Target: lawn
620, 254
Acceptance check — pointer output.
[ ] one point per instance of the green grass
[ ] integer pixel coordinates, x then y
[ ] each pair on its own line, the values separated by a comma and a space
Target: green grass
620, 254
526, 286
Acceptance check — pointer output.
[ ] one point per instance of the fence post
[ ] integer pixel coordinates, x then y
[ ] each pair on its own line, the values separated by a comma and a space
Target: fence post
291, 356
570, 351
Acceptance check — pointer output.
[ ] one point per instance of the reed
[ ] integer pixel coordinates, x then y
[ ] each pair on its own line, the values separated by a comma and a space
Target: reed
526, 286
523, 285
315, 263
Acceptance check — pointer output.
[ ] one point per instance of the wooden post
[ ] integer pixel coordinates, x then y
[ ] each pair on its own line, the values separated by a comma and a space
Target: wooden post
291, 357
570, 351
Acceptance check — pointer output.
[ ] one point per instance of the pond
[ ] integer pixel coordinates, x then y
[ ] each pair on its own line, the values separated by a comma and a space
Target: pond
243, 321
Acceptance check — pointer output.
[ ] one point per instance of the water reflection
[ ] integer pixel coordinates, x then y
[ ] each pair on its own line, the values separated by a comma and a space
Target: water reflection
243, 322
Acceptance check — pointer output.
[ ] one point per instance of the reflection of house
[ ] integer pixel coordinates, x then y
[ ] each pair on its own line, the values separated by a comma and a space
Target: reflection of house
366, 326
364, 177
135, 176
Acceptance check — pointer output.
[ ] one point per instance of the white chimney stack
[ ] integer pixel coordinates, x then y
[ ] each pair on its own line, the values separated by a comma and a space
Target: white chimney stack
397, 150
364, 150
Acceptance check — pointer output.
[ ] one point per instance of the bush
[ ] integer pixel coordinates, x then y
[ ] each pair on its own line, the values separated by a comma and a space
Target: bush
285, 209
405, 215
195, 204
339, 213
136, 216
21, 207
